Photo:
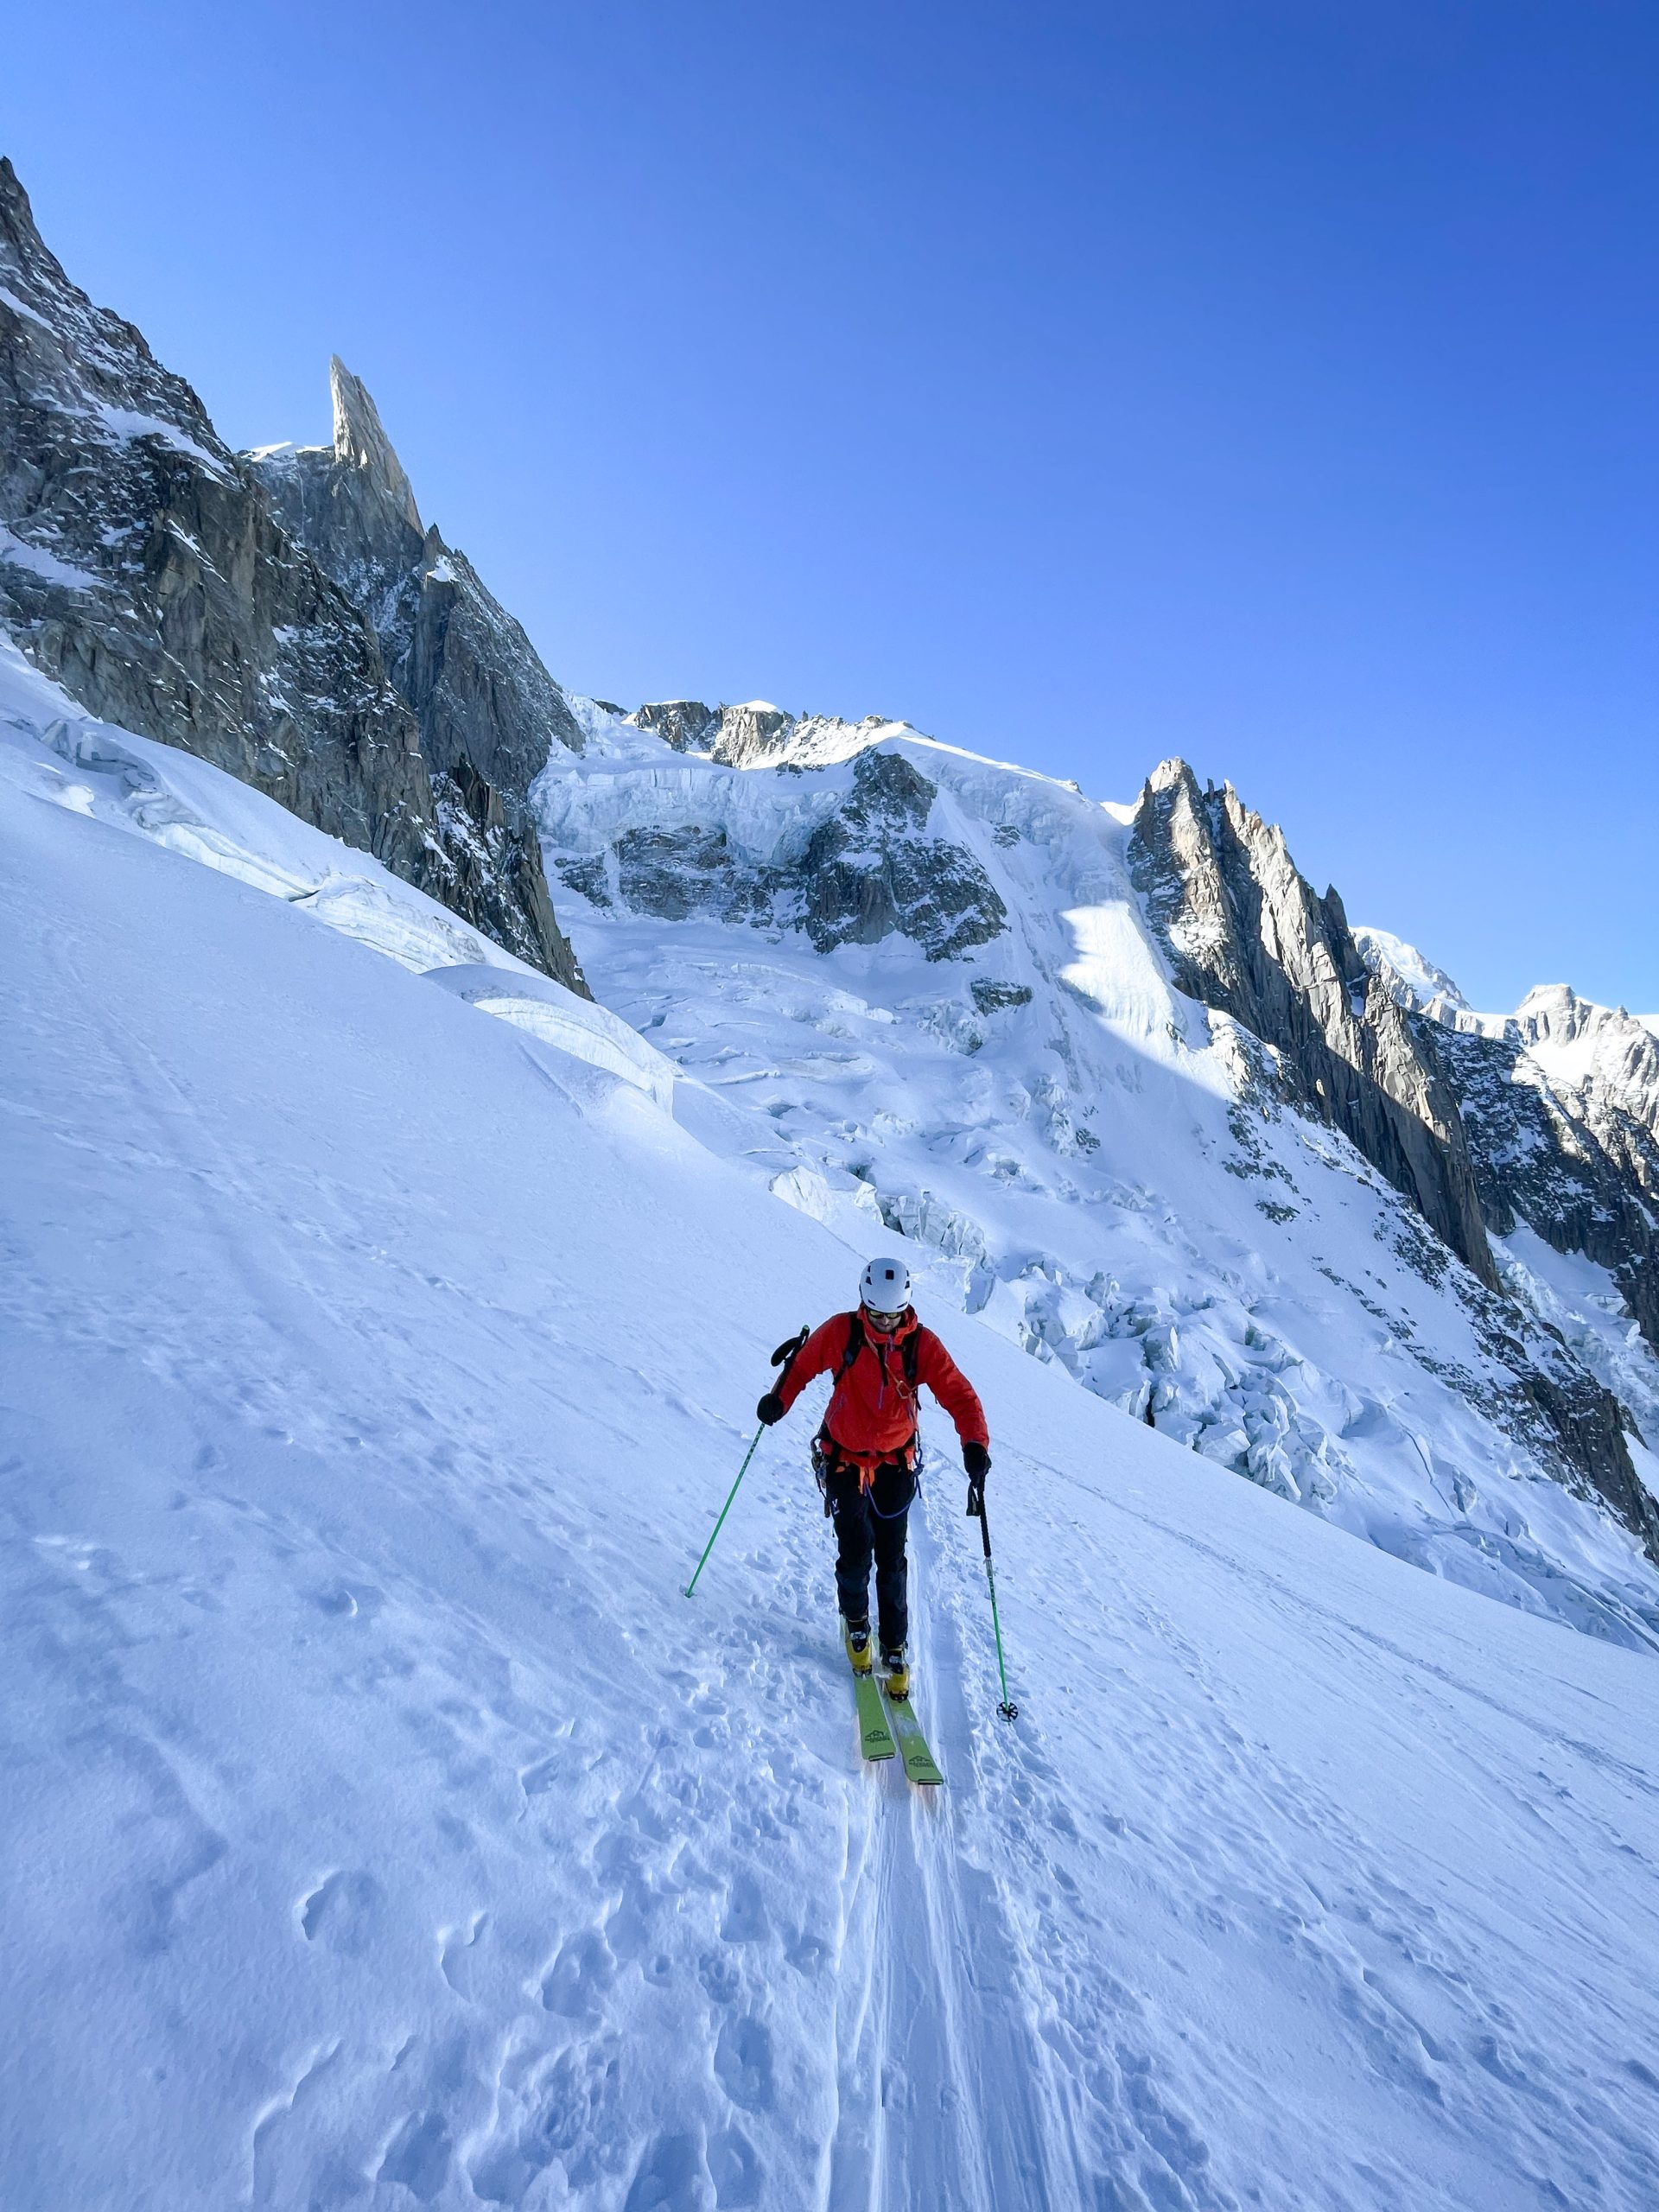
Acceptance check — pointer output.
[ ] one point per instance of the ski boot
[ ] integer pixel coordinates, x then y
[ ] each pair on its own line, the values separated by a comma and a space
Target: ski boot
858, 1647
896, 1676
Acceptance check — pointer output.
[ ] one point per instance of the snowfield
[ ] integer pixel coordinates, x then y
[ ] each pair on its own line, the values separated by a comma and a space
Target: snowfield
384, 1828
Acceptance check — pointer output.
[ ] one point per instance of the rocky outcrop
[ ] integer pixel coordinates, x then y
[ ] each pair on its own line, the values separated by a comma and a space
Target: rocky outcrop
760, 735
1245, 934
1560, 1103
753, 735
142, 568
869, 869
485, 706
686, 724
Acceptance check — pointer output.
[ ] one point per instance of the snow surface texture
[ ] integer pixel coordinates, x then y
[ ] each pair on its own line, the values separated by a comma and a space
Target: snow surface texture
1070, 1144
386, 1830
50, 749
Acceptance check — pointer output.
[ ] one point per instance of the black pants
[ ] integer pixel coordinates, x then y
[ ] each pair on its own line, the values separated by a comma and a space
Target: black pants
870, 1526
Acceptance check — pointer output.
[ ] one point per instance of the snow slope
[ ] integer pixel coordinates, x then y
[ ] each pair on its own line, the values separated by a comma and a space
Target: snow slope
51, 750
1075, 1151
385, 1829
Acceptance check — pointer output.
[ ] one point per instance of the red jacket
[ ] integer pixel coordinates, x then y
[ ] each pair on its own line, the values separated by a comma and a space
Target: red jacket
872, 1409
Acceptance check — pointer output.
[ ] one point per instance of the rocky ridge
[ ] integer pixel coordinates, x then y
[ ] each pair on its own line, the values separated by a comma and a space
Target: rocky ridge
145, 569
1561, 1103
488, 709
1245, 934
1435, 1104
757, 734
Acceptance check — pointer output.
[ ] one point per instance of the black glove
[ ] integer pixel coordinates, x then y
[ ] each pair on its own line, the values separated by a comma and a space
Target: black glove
977, 1460
771, 1408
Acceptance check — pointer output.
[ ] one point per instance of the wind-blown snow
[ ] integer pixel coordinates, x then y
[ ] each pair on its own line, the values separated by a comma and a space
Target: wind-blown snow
125, 423
22, 555
384, 1828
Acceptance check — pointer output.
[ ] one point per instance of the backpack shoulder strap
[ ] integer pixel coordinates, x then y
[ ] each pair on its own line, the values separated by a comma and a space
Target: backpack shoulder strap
912, 1353
855, 1342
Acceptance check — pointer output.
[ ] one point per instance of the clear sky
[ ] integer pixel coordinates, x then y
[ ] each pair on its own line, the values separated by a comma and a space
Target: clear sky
1272, 382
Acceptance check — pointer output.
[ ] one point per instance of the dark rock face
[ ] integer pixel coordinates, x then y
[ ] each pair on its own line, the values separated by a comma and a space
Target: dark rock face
1245, 934
153, 582
675, 873
994, 998
1560, 1103
1586, 1424
1435, 1111
1561, 1414
754, 735
870, 869
142, 568
1581, 1173
485, 706
686, 724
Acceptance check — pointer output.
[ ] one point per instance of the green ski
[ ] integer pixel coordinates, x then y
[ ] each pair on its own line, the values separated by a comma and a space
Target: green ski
874, 1736
919, 1763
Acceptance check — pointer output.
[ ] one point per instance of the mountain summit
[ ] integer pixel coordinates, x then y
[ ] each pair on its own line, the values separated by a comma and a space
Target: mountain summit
360, 442
146, 568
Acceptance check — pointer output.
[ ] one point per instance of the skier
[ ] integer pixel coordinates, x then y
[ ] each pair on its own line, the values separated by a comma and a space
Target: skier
867, 1452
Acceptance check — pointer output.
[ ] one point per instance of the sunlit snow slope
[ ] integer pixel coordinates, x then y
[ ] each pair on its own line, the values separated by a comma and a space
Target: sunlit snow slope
384, 1828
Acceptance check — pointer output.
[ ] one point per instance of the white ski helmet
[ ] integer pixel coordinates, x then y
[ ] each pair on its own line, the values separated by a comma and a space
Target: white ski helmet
884, 1287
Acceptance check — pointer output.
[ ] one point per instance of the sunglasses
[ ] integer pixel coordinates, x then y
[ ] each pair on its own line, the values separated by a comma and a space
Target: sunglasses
883, 1321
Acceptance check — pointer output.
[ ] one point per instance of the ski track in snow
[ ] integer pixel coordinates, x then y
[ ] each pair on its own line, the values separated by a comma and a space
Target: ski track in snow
387, 1831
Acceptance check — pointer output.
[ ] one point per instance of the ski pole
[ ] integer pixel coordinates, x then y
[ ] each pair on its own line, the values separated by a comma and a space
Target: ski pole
1008, 1710
725, 1509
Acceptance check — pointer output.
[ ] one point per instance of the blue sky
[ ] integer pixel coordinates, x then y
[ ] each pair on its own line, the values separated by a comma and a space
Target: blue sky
1273, 384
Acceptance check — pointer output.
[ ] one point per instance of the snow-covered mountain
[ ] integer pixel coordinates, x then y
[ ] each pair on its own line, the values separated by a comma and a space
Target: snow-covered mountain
146, 568
385, 1829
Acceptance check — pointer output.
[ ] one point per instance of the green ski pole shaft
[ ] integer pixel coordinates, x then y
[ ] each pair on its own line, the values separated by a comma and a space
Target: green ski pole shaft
1009, 1709
725, 1509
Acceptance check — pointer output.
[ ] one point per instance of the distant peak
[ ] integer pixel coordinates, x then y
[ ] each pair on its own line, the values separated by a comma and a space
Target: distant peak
20, 241
1171, 774
1412, 979
12, 195
360, 442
